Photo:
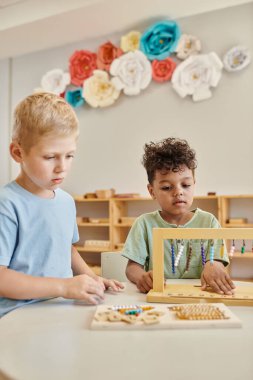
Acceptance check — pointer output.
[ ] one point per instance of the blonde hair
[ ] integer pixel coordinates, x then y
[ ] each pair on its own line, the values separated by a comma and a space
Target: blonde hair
41, 114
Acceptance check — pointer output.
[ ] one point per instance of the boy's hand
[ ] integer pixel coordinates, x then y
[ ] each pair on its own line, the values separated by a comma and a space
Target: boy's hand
109, 283
145, 282
83, 287
215, 276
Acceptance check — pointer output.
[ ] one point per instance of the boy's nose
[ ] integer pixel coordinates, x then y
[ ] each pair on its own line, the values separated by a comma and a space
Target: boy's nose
60, 167
178, 192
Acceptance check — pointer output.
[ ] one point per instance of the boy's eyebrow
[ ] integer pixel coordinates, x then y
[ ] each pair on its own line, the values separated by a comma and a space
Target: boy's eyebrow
52, 152
166, 180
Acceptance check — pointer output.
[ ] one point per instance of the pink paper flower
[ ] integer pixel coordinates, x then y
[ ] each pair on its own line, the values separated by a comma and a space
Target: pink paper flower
81, 66
106, 54
162, 70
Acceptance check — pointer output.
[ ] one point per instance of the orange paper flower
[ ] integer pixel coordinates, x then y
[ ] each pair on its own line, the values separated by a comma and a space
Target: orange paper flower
106, 54
162, 70
81, 66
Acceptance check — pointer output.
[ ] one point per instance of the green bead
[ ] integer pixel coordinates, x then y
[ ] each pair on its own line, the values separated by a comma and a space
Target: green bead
243, 249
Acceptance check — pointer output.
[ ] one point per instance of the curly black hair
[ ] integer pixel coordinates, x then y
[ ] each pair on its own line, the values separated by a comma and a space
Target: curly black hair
168, 155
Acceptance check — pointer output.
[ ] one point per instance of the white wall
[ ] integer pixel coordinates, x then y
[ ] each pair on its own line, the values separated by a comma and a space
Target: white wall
111, 140
5, 75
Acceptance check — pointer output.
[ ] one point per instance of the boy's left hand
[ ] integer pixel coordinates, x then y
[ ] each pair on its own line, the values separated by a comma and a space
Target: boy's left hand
113, 284
215, 276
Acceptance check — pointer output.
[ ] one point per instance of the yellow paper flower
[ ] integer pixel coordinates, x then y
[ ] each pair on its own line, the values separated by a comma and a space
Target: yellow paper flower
131, 41
99, 91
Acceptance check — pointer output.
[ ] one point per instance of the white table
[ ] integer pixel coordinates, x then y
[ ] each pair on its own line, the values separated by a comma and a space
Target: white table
52, 340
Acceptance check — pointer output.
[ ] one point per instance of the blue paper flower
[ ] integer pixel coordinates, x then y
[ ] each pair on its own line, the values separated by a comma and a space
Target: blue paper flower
74, 97
160, 40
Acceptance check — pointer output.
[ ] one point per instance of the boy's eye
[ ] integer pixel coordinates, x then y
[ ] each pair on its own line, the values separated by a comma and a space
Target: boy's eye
49, 157
70, 156
166, 188
186, 185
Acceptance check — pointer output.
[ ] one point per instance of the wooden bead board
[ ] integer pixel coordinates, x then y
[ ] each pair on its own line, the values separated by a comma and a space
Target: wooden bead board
187, 293
167, 321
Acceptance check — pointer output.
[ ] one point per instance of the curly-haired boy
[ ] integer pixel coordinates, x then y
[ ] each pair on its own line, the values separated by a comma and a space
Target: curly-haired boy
170, 165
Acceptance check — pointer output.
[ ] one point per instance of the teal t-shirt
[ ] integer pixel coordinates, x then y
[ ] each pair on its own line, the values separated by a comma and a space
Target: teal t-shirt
138, 246
36, 235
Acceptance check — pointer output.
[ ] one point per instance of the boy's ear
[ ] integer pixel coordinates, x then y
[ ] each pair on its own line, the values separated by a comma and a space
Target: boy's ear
151, 191
16, 151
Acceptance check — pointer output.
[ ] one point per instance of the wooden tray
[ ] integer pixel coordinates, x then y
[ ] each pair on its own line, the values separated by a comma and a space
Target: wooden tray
167, 321
187, 293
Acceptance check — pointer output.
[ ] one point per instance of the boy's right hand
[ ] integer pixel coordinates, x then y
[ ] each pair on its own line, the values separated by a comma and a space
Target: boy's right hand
83, 287
145, 282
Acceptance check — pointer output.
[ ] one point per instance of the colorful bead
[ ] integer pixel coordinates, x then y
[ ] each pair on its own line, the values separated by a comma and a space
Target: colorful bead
189, 257
180, 253
203, 256
243, 247
232, 249
212, 252
222, 250
173, 257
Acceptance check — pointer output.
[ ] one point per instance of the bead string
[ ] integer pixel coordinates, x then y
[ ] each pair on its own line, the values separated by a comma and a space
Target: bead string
212, 252
222, 250
173, 257
243, 247
232, 249
203, 256
189, 257
180, 252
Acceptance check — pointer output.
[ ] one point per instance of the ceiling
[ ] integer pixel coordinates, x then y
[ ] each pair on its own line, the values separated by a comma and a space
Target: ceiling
31, 25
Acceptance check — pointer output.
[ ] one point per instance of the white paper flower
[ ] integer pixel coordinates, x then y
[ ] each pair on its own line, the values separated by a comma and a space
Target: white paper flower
132, 72
99, 91
187, 45
55, 81
196, 75
236, 58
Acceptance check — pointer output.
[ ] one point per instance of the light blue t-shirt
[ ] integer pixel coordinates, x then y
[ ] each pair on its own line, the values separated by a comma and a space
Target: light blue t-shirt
36, 235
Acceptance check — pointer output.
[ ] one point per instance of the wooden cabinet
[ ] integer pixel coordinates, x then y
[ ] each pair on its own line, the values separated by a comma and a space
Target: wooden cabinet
104, 223
236, 212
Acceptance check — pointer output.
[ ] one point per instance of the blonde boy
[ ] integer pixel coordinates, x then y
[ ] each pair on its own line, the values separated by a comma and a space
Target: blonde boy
38, 219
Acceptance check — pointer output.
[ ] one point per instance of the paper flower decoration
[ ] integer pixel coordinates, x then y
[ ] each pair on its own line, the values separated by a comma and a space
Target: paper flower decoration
131, 41
74, 97
106, 54
196, 75
81, 66
162, 70
132, 72
160, 40
236, 58
99, 91
55, 81
187, 45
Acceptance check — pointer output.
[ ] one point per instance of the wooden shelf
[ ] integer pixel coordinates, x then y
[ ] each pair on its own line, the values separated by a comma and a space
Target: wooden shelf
123, 224
92, 249
93, 224
239, 255
81, 199
239, 225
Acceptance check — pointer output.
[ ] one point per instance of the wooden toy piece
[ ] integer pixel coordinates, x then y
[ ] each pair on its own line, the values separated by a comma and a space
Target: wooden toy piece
175, 293
215, 315
198, 312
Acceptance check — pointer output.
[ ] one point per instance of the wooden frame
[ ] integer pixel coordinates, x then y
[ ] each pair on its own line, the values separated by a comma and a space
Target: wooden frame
158, 294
